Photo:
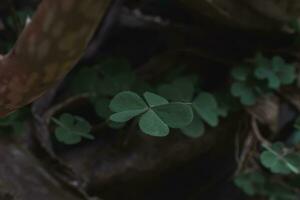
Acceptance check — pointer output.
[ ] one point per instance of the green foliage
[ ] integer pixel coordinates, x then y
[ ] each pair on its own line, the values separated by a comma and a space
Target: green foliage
127, 105
280, 160
254, 183
243, 87
14, 122
204, 105
195, 129
246, 93
276, 71
283, 178
115, 92
157, 114
250, 182
162, 114
181, 89
106, 79
150, 123
71, 129
265, 76
119, 96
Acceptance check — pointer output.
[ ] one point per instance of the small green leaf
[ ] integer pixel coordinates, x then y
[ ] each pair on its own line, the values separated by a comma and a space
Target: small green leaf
250, 182
154, 100
207, 107
127, 101
267, 73
288, 75
276, 71
240, 73
246, 94
175, 115
151, 124
71, 129
127, 105
195, 129
279, 161
14, 122
181, 90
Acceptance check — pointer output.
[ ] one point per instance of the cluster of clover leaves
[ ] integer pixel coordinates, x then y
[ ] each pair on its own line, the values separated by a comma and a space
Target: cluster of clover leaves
265, 76
280, 159
250, 82
119, 97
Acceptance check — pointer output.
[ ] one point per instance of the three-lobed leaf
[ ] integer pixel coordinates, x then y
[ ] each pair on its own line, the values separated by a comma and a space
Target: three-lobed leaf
276, 71
243, 91
126, 106
71, 129
156, 117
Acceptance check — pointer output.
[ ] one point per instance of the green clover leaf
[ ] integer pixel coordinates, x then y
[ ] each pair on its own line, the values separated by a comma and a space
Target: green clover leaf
243, 91
127, 105
14, 122
195, 129
278, 160
206, 106
250, 182
181, 90
156, 117
71, 129
276, 71
240, 73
